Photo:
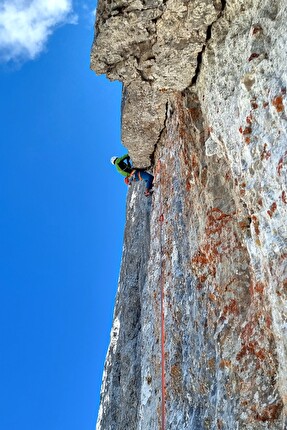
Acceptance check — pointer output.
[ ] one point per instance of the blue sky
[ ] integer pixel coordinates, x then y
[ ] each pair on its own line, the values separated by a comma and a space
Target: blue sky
62, 216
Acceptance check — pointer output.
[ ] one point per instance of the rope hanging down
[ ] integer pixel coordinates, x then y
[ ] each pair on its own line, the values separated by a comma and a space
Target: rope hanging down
163, 385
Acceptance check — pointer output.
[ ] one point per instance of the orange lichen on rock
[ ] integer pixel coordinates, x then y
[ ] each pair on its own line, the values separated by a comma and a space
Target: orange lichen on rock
231, 308
195, 113
212, 297
272, 209
259, 287
270, 412
216, 221
214, 246
265, 154
252, 349
268, 321
253, 55
255, 222
200, 258
247, 331
225, 363
280, 166
247, 130
176, 378
277, 102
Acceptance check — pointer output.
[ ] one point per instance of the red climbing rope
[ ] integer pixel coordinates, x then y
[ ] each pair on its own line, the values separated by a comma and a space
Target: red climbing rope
163, 385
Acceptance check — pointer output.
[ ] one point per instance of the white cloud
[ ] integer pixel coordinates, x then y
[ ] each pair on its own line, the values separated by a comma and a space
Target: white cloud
94, 12
25, 26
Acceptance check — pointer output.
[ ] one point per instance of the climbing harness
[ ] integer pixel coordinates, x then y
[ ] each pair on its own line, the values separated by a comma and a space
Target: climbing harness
163, 384
126, 167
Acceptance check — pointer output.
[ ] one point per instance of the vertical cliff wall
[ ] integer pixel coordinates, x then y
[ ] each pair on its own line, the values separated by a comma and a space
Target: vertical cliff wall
199, 333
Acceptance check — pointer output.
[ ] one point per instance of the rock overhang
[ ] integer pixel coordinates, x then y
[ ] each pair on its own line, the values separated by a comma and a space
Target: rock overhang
152, 47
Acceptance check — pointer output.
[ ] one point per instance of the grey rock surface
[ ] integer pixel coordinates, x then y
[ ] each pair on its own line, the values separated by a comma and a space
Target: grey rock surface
120, 405
204, 102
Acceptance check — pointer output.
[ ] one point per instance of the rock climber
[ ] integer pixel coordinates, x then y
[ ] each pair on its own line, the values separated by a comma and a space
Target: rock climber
123, 164
124, 167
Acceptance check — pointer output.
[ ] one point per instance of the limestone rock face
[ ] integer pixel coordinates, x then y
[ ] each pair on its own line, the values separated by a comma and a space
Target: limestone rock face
199, 335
